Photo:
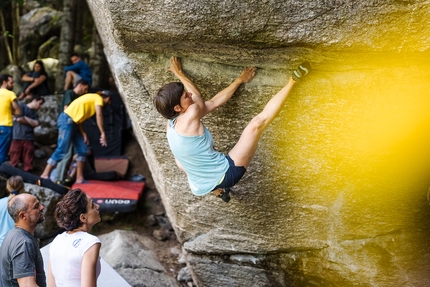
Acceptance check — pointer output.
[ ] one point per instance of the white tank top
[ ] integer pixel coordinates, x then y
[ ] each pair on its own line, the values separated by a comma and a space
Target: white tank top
66, 253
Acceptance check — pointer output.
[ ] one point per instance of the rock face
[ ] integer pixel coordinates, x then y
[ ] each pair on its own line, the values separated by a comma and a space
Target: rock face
47, 132
131, 256
336, 193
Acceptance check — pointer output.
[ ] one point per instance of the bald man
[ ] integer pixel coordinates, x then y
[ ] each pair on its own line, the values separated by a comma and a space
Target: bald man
21, 263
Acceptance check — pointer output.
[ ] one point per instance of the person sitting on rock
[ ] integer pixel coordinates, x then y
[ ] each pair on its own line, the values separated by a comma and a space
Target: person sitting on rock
192, 143
70, 130
35, 82
79, 70
22, 145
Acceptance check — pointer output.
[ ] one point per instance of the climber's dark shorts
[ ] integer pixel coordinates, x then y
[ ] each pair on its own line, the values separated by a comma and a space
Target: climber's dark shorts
233, 174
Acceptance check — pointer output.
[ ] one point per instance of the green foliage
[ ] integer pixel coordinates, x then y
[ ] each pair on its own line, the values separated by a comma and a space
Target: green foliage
7, 34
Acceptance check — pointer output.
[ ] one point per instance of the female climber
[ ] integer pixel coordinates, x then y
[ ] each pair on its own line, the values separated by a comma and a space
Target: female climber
192, 144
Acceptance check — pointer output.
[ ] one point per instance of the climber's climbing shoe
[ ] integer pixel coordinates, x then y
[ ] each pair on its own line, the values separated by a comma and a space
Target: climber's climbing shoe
223, 193
302, 71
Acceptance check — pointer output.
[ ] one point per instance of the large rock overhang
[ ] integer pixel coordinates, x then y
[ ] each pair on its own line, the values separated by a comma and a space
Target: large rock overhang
336, 194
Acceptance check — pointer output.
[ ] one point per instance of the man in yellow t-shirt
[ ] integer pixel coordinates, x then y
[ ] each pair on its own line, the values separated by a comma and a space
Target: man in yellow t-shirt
8, 107
70, 130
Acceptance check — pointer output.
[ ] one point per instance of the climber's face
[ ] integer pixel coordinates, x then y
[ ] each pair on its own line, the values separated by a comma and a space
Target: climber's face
185, 101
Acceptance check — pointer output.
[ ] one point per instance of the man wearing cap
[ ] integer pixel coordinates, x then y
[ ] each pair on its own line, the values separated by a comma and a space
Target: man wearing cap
70, 130
81, 88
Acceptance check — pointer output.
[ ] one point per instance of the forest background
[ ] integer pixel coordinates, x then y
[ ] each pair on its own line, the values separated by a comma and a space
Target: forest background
68, 27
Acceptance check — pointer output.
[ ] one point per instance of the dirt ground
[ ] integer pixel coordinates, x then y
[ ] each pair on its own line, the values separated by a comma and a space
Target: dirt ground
149, 204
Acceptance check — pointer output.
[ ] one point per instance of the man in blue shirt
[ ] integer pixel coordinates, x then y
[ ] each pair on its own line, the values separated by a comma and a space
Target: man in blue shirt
79, 70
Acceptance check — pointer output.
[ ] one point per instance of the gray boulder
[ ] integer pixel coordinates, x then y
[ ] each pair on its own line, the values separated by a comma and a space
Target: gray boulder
130, 255
46, 133
185, 275
335, 195
37, 27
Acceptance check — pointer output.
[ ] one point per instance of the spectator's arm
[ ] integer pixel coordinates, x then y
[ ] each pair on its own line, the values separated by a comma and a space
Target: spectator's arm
27, 121
36, 82
84, 134
89, 265
27, 282
100, 124
16, 109
27, 78
75, 67
51, 279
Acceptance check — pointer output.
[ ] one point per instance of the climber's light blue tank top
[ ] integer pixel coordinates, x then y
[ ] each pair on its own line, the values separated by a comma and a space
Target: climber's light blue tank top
205, 166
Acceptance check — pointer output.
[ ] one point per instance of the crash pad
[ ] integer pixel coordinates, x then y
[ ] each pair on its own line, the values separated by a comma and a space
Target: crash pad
113, 196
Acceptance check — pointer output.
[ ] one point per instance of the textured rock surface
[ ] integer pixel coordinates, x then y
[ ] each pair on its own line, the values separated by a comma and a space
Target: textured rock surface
37, 27
336, 194
46, 132
131, 256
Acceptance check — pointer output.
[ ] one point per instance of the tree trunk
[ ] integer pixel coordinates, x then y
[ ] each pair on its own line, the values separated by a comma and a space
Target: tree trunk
81, 5
65, 49
5, 36
15, 24
99, 63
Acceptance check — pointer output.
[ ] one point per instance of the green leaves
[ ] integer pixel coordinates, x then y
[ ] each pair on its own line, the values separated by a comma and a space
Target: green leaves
7, 34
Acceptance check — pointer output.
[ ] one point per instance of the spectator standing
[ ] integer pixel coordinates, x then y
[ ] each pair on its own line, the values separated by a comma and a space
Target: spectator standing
80, 89
15, 186
21, 263
23, 133
74, 255
8, 107
70, 130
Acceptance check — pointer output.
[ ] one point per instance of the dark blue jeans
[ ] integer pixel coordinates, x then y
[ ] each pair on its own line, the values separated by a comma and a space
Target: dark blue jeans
68, 133
5, 140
